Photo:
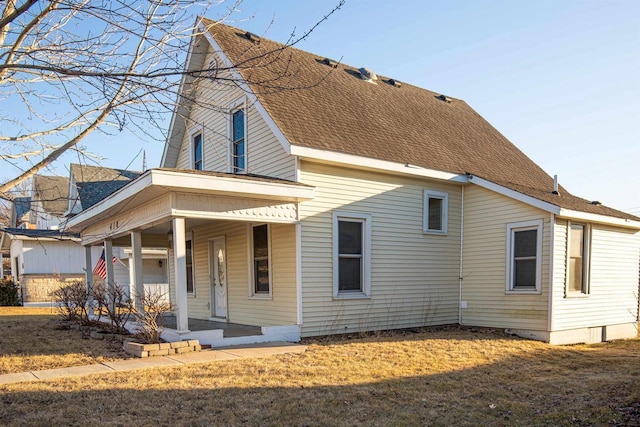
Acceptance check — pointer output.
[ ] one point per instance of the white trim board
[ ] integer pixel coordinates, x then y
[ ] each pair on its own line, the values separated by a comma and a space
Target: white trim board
325, 156
554, 209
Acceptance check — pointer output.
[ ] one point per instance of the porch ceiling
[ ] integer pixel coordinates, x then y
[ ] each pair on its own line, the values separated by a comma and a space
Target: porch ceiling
150, 201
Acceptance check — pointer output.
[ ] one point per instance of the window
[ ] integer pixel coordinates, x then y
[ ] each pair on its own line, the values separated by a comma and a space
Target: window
524, 256
238, 144
260, 251
351, 254
196, 144
577, 259
189, 264
436, 204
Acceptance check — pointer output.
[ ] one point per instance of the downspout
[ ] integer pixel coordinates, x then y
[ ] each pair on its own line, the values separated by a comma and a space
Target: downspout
551, 256
461, 244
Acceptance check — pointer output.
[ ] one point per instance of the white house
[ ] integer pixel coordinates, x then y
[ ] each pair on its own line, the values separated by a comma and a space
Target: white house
307, 197
43, 257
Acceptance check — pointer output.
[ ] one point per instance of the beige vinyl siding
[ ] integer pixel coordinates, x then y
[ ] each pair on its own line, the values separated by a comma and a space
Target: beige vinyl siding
281, 309
486, 215
612, 299
414, 276
265, 154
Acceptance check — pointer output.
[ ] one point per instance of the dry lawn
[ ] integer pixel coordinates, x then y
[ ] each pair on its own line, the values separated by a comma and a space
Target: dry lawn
444, 377
31, 339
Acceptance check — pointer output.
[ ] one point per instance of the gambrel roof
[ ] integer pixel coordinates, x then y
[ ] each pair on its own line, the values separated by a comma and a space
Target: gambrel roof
318, 106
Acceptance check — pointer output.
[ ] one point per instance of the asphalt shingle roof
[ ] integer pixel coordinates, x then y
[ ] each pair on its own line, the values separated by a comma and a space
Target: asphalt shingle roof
334, 109
95, 183
52, 192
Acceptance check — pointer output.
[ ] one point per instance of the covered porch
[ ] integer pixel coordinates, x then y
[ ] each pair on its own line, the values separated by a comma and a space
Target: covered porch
233, 263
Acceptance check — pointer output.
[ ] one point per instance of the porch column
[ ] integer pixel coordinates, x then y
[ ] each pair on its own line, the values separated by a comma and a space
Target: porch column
110, 281
88, 277
136, 269
180, 274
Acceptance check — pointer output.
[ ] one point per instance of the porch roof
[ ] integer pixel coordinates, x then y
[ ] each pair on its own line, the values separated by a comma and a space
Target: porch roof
159, 194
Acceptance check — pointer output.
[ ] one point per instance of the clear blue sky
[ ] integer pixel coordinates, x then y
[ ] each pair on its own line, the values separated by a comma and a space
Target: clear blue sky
560, 79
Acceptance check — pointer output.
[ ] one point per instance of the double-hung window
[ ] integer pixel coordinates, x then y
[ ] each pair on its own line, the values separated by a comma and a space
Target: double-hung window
196, 147
577, 259
436, 205
238, 141
351, 254
189, 263
524, 256
260, 263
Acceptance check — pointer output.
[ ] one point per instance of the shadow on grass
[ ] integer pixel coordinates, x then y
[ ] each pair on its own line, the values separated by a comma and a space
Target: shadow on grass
587, 388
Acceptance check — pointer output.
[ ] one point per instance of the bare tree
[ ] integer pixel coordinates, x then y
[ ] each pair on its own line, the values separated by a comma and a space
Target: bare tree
78, 66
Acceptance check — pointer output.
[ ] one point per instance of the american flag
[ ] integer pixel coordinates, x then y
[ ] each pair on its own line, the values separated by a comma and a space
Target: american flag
101, 268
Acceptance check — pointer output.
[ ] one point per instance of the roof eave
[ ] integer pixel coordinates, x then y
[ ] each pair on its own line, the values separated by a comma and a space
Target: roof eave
343, 159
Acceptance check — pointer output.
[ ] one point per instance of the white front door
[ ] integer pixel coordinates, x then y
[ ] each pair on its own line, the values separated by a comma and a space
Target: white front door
218, 269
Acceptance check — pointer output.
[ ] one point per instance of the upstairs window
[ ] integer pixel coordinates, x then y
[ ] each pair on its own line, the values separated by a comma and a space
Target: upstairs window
524, 259
196, 144
238, 142
577, 259
436, 205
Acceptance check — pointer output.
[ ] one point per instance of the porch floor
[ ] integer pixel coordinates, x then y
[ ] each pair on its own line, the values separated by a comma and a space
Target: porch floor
229, 330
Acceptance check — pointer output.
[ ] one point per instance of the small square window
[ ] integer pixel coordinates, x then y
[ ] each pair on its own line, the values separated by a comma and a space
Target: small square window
436, 205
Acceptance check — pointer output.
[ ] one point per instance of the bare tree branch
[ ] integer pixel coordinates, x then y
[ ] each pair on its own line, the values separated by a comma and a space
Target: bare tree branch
72, 67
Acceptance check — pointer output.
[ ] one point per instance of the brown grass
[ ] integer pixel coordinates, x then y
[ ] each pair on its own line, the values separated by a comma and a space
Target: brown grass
31, 339
445, 377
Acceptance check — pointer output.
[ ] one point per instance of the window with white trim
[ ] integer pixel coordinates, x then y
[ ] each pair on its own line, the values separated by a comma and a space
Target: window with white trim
238, 141
578, 245
524, 256
196, 151
436, 205
260, 260
351, 254
189, 263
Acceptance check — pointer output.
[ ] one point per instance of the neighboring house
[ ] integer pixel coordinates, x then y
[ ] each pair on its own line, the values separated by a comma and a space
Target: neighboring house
358, 203
43, 257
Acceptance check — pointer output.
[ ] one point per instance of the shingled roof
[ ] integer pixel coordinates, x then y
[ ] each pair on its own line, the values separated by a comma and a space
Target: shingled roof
95, 183
334, 109
52, 192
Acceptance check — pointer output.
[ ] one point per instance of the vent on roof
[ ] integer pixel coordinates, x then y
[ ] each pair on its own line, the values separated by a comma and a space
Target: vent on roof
395, 83
367, 74
252, 37
596, 202
330, 62
444, 98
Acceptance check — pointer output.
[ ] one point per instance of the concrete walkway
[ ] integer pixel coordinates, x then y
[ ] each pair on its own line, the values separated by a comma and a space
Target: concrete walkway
205, 356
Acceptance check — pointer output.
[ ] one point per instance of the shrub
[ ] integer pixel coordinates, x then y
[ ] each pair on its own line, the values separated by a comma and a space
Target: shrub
9, 293
149, 320
113, 302
71, 302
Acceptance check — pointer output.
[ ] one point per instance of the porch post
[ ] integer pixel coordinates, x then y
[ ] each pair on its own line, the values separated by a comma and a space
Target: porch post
88, 277
110, 281
136, 269
180, 272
